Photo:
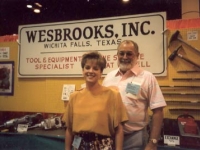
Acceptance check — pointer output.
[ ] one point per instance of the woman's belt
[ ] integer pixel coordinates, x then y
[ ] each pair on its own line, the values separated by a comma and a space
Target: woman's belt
89, 136
94, 141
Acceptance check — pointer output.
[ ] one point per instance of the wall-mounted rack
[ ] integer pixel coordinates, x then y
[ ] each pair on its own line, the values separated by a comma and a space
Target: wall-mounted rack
177, 86
183, 93
188, 71
184, 109
192, 102
192, 79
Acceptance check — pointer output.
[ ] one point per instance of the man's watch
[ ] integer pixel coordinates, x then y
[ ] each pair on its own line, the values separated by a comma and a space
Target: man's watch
154, 141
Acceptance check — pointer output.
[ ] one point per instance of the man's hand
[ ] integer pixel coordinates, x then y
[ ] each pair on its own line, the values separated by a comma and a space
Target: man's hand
151, 146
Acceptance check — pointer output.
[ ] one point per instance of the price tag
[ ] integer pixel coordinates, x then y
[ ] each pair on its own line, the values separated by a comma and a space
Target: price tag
192, 35
22, 128
67, 90
4, 52
171, 140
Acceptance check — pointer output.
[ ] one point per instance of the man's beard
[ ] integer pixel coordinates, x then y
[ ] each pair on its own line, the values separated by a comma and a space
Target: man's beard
125, 66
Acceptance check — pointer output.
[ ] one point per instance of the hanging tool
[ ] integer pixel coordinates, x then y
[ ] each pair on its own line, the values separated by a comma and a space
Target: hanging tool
175, 53
175, 37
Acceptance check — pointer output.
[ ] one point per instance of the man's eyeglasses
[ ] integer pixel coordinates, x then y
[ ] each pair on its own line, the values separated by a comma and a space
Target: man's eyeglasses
122, 53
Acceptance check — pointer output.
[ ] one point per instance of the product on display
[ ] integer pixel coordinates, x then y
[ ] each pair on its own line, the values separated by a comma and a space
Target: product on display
175, 37
29, 120
175, 53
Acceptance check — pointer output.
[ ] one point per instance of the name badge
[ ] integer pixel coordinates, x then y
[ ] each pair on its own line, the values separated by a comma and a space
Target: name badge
76, 142
132, 88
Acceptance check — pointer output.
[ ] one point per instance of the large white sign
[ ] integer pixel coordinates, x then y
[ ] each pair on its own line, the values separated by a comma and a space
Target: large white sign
55, 49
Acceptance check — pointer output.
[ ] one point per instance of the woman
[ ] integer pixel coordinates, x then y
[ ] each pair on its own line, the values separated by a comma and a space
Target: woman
94, 114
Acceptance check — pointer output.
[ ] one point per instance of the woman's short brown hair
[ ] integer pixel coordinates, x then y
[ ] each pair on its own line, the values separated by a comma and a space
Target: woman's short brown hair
94, 55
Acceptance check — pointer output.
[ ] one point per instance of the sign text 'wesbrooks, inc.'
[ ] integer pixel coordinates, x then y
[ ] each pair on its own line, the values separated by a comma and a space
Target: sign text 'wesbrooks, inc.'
55, 49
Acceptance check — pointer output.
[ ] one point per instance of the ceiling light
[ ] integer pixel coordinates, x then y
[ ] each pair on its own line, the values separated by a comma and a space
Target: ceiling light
36, 11
125, 0
29, 6
38, 4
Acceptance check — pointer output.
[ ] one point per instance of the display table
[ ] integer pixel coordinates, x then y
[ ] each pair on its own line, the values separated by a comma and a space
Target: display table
36, 139
165, 147
39, 139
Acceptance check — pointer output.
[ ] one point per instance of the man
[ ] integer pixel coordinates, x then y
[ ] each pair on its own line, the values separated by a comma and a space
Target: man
139, 90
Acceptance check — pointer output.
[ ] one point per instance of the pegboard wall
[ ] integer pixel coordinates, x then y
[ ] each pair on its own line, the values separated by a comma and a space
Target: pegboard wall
181, 87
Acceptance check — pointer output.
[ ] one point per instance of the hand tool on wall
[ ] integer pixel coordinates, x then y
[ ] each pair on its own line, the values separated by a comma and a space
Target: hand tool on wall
175, 37
175, 53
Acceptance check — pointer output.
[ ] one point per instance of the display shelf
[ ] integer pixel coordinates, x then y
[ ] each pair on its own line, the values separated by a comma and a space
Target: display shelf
182, 93
188, 71
191, 79
47, 140
182, 99
194, 102
184, 109
178, 86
